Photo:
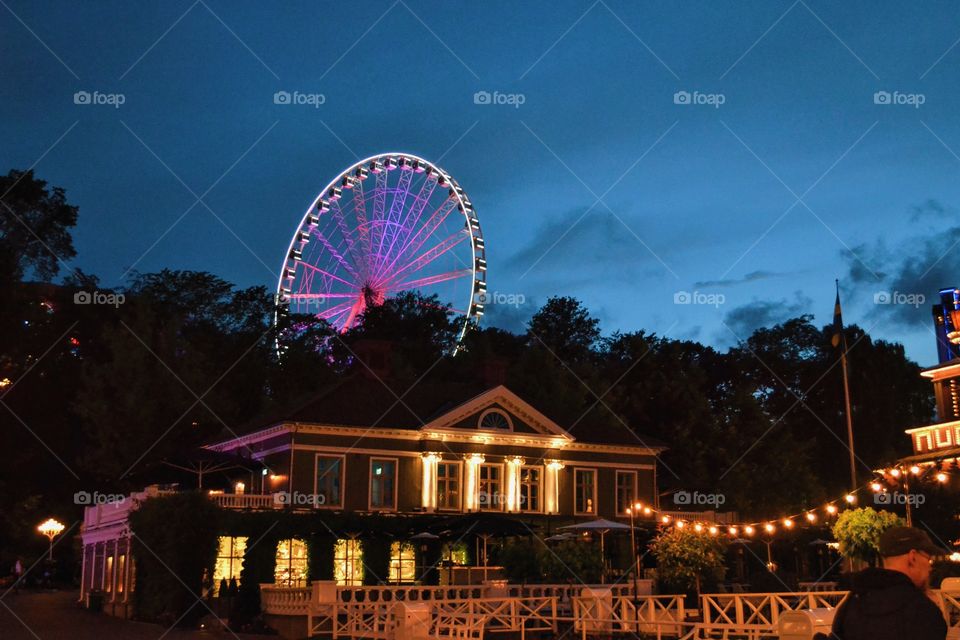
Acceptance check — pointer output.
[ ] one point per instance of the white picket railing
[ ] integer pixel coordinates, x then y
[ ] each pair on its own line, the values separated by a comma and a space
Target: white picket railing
757, 614
246, 501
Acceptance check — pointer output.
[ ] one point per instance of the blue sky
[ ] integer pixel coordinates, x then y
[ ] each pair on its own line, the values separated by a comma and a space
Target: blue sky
599, 185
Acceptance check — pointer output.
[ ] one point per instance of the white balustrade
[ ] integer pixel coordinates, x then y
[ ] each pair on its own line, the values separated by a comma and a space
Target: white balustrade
245, 501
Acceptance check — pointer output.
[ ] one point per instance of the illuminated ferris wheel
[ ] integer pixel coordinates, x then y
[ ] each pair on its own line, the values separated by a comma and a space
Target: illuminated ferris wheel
390, 223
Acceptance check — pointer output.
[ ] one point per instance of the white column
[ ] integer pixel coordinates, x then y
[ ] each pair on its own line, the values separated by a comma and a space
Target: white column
551, 486
429, 488
513, 483
471, 494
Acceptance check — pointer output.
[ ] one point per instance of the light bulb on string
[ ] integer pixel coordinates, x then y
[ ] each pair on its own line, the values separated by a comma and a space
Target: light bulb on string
915, 470
876, 486
732, 531
769, 528
850, 498
811, 516
787, 523
698, 527
941, 477
713, 531
832, 509
748, 530
895, 472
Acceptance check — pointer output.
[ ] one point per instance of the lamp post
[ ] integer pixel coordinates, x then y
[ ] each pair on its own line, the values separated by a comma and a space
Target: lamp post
50, 528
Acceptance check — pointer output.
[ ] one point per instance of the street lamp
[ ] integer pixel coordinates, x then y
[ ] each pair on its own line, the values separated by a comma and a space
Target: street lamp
50, 528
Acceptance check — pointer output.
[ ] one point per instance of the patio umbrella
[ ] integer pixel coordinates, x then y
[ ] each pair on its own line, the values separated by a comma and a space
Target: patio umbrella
602, 526
559, 537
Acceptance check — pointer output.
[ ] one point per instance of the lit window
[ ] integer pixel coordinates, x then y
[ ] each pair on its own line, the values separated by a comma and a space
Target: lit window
229, 559
121, 564
291, 569
328, 481
348, 562
626, 490
585, 495
403, 567
530, 489
383, 481
489, 486
455, 553
108, 577
448, 485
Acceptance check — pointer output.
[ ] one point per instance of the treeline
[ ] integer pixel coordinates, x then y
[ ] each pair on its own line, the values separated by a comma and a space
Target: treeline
94, 393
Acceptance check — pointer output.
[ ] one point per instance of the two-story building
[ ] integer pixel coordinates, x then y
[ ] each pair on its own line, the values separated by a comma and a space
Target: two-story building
421, 461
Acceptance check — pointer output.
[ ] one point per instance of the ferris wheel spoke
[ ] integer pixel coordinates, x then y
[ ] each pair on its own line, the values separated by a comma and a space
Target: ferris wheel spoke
336, 254
379, 205
360, 207
429, 280
336, 310
339, 218
321, 296
417, 240
430, 255
390, 223
413, 215
326, 274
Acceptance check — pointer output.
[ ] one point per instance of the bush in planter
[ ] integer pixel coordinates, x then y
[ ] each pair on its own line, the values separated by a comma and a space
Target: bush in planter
687, 560
858, 532
174, 542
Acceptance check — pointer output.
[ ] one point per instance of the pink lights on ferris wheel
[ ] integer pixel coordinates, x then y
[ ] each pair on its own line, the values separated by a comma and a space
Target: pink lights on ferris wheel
388, 224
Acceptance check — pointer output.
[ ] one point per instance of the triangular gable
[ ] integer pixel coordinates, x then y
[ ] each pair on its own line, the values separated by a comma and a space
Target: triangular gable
463, 417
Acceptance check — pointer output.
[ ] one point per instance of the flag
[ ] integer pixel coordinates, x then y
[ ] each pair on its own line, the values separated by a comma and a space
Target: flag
837, 338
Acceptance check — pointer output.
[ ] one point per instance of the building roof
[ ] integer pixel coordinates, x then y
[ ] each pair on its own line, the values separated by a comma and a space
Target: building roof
363, 401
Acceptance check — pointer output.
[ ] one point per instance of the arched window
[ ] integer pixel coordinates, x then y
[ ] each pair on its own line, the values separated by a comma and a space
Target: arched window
495, 420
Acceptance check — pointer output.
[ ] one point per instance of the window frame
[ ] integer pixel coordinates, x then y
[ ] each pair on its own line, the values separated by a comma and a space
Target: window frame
540, 474
499, 411
316, 480
576, 491
498, 505
396, 477
459, 476
616, 490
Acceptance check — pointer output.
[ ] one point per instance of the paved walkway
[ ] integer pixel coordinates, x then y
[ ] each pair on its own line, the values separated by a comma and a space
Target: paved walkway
54, 615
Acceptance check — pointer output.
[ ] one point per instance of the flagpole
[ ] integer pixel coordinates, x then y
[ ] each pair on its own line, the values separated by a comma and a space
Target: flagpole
846, 399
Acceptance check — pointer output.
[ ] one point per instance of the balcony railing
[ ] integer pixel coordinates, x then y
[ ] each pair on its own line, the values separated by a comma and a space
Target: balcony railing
246, 501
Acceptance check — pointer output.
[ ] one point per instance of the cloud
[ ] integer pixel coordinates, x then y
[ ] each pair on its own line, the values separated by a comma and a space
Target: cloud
901, 281
931, 208
753, 276
573, 241
510, 317
745, 319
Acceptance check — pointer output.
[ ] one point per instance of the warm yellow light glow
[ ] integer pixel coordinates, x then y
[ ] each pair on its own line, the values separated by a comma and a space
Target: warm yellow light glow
647, 511
50, 528
876, 486
832, 509
513, 483
954, 557
428, 489
239, 488
769, 528
915, 470
850, 498
698, 527
681, 524
811, 516
665, 519
6, 382
787, 523
895, 472
551, 486
713, 531
748, 530
732, 531
941, 477
471, 494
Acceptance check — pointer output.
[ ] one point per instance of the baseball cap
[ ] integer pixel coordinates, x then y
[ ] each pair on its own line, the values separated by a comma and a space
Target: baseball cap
897, 541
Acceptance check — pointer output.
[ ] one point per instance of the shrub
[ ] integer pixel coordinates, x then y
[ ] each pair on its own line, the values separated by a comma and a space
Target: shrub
858, 532
687, 560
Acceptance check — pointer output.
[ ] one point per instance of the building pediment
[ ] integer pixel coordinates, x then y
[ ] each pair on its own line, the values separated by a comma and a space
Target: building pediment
497, 412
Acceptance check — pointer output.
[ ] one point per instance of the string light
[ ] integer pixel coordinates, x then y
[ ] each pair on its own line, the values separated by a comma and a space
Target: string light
915, 470
713, 531
732, 531
876, 486
680, 524
811, 516
787, 523
665, 519
698, 527
748, 530
895, 472
832, 509
769, 528
850, 498
941, 477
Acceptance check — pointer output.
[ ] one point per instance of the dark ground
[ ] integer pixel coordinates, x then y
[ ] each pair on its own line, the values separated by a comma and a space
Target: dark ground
54, 615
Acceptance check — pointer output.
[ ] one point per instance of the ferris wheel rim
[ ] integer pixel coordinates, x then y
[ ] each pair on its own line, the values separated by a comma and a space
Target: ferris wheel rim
477, 267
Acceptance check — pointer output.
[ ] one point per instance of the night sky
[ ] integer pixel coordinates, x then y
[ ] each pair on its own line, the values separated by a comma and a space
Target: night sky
781, 168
